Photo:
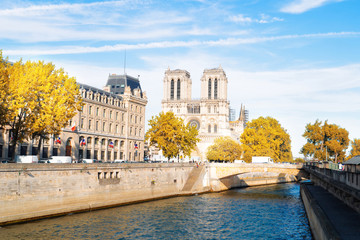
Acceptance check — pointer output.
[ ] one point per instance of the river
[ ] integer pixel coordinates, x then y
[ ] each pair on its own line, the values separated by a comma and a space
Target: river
264, 212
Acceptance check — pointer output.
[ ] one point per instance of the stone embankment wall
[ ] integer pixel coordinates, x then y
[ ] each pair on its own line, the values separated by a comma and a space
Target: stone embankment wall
345, 185
31, 191
321, 227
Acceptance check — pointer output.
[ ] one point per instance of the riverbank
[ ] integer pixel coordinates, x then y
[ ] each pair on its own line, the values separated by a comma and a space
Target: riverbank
242, 213
33, 191
329, 217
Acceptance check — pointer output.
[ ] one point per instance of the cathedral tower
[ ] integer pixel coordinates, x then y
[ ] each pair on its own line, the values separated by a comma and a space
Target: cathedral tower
214, 84
177, 85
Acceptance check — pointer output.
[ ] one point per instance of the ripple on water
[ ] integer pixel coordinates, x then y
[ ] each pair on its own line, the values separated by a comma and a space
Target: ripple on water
266, 212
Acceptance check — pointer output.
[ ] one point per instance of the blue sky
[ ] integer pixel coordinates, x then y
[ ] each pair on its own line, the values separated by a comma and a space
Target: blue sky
294, 60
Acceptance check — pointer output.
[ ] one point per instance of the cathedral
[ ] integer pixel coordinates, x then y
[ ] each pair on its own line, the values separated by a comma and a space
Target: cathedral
210, 114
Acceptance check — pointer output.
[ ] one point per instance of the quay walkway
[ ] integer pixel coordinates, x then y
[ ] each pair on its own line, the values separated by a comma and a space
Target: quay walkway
336, 219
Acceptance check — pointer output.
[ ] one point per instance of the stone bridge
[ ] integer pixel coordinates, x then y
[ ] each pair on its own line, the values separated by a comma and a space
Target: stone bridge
224, 176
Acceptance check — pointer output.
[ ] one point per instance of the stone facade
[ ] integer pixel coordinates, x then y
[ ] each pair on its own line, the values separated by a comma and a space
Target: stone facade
210, 113
109, 127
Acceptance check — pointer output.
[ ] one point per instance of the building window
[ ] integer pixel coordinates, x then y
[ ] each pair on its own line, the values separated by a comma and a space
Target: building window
110, 127
116, 129
209, 129
97, 111
90, 108
103, 128
117, 114
215, 88
209, 89
135, 119
88, 140
172, 89
209, 109
122, 117
96, 141
104, 113
82, 123
215, 128
97, 125
178, 89
89, 124
130, 130
103, 142
122, 129
110, 115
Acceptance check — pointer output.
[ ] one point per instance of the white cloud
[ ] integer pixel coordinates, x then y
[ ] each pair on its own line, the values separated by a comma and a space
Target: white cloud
241, 18
34, 10
107, 21
300, 6
168, 44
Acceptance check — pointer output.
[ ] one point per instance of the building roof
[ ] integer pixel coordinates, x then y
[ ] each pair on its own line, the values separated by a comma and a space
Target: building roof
100, 91
354, 160
117, 83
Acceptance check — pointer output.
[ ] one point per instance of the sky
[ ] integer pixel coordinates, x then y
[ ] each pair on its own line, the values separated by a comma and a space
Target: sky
294, 60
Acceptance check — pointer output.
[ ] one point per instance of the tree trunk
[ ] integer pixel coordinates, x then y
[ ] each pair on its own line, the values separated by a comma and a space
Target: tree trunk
13, 142
39, 147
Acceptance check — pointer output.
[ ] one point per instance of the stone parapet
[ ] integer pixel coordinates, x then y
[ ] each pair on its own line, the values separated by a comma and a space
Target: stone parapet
33, 191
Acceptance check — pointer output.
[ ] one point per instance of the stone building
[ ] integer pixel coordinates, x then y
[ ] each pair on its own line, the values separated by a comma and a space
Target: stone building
111, 125
210, 113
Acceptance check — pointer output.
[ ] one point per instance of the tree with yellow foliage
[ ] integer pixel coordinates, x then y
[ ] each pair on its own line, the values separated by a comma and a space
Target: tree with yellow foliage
224, 149
171, 135
325, 141
40, 100
4, 82
265, 137
355, 148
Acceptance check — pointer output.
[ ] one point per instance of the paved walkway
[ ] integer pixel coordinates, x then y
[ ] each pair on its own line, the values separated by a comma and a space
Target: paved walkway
345, 220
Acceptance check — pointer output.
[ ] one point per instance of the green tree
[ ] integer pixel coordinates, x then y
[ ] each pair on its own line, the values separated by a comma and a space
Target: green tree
40, 100
355, 148
266, 137
171, 135
325, 141
224, 149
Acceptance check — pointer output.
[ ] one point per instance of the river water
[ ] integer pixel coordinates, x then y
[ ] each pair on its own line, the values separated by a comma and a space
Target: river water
265, 212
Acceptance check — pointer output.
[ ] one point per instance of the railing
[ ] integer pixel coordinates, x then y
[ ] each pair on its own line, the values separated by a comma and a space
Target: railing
346, 174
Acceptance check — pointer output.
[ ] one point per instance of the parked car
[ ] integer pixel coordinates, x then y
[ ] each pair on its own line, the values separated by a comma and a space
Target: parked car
88, 160
119, 161
60, 159
27, 159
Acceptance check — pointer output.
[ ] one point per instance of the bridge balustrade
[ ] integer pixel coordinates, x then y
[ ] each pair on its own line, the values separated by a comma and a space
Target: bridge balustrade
350, 175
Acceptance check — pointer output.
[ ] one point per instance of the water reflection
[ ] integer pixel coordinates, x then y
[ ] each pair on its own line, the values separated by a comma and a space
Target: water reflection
267, 212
